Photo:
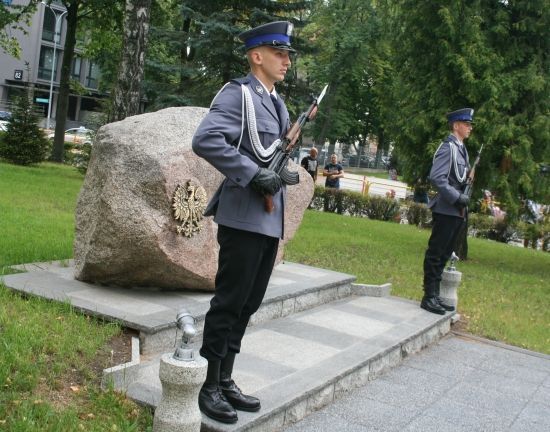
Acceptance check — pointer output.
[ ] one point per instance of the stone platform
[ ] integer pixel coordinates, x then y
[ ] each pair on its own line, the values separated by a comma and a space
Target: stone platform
316, 336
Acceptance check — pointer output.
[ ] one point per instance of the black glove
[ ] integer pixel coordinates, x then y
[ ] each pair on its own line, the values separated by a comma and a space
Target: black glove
462, 201
266, 182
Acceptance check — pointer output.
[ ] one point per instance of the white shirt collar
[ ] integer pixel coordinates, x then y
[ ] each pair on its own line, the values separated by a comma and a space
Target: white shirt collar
274, 92
457, 140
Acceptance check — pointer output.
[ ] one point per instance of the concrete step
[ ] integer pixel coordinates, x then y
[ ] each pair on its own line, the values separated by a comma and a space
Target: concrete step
316, 335
152, 312
298, 363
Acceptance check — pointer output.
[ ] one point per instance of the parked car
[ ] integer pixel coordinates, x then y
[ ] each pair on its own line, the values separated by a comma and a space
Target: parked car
79, 135
5, 115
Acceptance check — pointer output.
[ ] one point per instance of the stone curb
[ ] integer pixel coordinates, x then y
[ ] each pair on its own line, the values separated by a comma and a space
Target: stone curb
501, 345
120, 376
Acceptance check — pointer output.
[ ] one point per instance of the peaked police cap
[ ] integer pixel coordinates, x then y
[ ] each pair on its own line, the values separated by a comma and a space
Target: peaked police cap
276, 34
464, 115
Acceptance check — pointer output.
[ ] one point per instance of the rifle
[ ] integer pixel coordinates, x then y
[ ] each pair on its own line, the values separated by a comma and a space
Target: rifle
282, 152
470, 180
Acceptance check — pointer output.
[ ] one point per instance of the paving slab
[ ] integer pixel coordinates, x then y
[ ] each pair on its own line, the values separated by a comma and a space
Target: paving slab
447, 387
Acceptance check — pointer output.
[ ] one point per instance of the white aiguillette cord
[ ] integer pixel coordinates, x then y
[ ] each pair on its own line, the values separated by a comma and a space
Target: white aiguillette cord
263, 154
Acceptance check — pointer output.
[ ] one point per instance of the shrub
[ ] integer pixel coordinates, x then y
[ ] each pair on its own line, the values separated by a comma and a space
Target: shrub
81, 157
334, 200
498, 229
532, 233
24, 143
381, 208
318, 198
354, 204
479, 224
418, 214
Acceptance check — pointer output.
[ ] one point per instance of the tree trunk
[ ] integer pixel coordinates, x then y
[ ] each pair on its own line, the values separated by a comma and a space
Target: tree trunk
64, 83
127, 95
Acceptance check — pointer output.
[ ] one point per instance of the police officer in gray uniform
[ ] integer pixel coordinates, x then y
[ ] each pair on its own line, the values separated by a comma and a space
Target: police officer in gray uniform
238, 137
448, 175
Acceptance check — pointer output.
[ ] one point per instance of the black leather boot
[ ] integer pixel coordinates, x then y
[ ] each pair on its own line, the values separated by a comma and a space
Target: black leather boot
432, 305
212, 401
443, 303
429, 301
231, 391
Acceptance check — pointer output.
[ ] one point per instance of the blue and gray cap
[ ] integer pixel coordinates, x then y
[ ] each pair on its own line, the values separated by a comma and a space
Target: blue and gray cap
276, 34
464, 115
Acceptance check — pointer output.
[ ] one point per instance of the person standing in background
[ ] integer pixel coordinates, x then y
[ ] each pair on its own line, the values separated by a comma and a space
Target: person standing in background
333, 172
310, 163
448, 175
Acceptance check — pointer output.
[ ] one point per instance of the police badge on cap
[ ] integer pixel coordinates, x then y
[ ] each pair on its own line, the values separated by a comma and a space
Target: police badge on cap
276, 34
464, 115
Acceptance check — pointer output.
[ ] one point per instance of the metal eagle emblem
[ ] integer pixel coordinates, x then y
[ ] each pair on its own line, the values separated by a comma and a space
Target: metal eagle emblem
189, 203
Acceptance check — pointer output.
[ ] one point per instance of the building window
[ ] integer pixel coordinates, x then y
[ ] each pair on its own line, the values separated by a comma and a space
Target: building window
46, 62
48, 26
93, 76
75, 69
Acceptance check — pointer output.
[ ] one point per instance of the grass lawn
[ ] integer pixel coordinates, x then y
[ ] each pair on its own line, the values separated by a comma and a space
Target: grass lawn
51, 356
37, 212
504, 293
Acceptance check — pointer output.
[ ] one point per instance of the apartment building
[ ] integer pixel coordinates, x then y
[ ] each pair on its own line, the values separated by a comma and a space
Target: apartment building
38, 47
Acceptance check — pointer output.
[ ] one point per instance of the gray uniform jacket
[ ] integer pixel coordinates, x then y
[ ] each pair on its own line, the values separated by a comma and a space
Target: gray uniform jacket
448, 175
235, 204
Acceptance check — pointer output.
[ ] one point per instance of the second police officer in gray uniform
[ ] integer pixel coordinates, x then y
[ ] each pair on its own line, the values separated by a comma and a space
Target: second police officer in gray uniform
448, 175
238, 137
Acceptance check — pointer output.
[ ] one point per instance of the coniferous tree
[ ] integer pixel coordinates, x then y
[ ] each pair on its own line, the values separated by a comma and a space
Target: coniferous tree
518, 31
24, 143
198, 50
491, 56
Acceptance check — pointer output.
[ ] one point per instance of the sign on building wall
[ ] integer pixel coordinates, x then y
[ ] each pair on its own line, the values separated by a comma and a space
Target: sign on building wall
18, 74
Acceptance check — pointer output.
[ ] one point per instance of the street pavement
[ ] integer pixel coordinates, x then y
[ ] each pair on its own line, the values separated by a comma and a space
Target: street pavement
459, 384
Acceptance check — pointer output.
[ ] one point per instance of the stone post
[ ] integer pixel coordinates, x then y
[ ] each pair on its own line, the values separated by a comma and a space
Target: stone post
182, 375
450, 280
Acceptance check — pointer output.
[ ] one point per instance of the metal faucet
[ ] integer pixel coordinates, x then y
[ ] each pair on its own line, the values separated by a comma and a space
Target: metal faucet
454, 259
186, 323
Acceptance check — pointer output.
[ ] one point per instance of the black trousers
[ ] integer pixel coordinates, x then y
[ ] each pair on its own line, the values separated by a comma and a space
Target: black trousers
246, 260
445, 229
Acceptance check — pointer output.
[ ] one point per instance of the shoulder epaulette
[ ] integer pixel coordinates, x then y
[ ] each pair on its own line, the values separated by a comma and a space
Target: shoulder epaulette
243, 80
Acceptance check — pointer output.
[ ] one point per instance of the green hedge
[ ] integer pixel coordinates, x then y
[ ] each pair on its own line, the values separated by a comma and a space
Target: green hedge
387, 209
355, 204
502, 230
419, 214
